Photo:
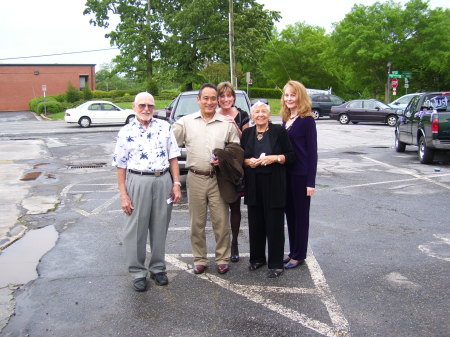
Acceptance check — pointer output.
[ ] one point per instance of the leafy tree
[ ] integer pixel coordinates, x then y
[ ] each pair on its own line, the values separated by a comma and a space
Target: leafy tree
299, 52
414, 39
87, 93
138, 34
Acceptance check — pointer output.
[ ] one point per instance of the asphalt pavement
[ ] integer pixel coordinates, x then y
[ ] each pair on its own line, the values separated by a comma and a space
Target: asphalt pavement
377, 264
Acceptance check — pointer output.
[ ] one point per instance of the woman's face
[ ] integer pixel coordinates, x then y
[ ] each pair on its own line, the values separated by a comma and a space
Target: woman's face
226, 100
290, 98
261, 115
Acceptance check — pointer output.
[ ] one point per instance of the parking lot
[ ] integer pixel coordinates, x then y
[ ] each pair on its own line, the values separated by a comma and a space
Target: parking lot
377, 265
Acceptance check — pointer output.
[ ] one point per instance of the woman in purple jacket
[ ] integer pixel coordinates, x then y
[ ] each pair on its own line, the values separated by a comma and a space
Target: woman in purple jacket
301, 175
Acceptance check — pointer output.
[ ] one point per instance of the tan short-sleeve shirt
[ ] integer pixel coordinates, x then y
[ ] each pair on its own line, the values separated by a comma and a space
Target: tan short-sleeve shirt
201, 137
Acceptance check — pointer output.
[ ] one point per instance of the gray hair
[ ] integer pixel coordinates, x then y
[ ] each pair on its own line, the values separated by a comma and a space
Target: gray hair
258, 104
144, 94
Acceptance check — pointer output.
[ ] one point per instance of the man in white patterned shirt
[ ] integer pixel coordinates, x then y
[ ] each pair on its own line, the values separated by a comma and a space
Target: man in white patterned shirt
146, 150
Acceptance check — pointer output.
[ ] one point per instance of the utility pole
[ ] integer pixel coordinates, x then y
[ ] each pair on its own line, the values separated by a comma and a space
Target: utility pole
231, 40
388, 83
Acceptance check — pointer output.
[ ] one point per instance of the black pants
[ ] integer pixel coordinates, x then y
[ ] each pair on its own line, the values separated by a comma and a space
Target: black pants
266, 223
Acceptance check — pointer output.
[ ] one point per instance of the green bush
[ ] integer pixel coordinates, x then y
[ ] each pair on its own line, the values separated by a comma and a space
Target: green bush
60, 98
52, 107
151, 86
167, 94
34, 102
264, 93
87, 93
100, 94
72, 94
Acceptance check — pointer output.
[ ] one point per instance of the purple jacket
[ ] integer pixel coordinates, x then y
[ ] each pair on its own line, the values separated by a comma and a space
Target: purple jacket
303, 136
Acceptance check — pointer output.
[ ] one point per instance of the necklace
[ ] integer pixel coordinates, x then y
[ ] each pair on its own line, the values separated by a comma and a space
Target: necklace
260, 135
293, 117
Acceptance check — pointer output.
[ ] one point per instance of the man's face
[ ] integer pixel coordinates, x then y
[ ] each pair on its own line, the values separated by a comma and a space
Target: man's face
208, 101
144, 108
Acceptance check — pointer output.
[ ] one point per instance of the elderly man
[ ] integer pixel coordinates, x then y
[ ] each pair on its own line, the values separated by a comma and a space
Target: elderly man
201, 133
146, 150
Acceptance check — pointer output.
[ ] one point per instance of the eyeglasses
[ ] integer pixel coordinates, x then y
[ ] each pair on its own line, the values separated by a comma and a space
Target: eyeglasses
142, 106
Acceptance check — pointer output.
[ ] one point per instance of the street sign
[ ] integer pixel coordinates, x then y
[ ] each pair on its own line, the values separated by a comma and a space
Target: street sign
406, 74
406, 85
394, 83
44, 88
394, 72
395, 76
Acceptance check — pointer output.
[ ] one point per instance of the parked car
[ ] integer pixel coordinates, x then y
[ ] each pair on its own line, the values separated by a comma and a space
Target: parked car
425, 123
98, 112
322, 103
402, 102
365, 110
185, 104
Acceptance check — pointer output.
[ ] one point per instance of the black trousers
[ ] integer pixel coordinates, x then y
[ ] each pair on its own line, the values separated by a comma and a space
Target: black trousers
264, 223
297, 216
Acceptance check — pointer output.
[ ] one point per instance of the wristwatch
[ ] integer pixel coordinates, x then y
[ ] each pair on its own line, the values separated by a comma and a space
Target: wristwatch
177, 183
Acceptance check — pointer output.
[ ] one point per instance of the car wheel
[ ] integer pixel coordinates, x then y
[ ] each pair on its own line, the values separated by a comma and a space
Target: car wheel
343, 119
391, 120
130, 118
84, 122
425, 154
399, 145
316, 113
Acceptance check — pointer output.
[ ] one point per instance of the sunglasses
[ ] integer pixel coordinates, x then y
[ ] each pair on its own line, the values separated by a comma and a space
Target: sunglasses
142, 106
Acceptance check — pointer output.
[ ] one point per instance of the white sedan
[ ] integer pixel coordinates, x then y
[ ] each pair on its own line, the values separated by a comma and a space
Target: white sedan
98, 112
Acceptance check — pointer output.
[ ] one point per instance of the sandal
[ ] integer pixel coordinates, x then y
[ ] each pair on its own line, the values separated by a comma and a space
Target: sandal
256, 265
274, 273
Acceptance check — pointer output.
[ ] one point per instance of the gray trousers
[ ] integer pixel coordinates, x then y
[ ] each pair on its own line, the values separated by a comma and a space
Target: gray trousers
151, 216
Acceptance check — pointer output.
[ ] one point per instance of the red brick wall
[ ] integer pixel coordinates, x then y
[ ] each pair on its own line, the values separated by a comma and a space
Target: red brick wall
19, 84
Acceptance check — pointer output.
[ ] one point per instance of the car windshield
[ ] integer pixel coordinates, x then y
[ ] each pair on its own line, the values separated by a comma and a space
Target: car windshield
187, 104
383, 105
438, 101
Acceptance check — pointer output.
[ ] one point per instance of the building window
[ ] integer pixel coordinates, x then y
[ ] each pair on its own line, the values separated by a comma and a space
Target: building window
83, 81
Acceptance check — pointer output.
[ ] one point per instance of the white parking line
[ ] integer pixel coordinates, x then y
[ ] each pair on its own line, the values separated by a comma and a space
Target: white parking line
340, 325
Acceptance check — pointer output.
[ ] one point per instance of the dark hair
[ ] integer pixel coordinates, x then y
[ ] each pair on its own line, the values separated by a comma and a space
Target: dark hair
206, 85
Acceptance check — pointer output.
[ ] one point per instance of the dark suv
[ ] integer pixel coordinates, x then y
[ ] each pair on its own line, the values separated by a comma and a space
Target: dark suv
185, 104
322, 103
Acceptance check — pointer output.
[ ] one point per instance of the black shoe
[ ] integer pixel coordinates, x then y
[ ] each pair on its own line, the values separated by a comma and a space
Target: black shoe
274, 273
286, 260
160, 278
140, 284
256, 265
234, 258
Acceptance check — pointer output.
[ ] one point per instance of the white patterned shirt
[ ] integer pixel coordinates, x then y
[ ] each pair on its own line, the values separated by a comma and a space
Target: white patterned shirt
145, 149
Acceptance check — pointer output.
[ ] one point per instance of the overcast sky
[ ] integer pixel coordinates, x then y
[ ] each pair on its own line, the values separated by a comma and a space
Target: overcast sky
44, 27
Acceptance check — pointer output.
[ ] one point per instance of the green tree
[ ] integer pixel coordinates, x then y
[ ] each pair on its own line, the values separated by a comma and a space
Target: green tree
300, 52
87, 93
198, 34
414, 39
138, 34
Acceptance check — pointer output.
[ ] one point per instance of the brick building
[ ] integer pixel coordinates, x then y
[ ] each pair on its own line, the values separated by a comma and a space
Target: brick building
21, 82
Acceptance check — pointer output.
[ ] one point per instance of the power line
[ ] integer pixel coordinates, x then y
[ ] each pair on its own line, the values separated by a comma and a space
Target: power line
68, 53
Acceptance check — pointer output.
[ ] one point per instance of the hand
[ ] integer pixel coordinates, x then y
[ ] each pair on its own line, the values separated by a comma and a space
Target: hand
127, 206
310, 191
267, 160
176, 193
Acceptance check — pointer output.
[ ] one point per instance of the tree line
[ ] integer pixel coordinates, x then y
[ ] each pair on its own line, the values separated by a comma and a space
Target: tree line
181, 44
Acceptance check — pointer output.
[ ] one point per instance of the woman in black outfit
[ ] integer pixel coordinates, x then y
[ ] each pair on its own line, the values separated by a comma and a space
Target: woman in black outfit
266, 151
240, 119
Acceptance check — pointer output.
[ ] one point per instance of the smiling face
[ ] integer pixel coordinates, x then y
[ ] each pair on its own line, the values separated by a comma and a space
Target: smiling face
144, 106
226, 100
290, 98
207, 101
260, 115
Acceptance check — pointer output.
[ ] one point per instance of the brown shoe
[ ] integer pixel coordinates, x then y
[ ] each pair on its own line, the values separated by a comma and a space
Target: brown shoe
199, 269
222, 268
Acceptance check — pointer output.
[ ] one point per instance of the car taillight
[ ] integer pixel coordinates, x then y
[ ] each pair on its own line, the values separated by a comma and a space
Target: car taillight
435, 124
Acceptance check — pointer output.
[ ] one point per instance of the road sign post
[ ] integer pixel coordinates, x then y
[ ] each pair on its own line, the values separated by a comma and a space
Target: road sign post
44, 89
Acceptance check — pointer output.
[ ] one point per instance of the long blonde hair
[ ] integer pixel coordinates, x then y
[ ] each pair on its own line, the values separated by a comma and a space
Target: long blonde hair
301, 99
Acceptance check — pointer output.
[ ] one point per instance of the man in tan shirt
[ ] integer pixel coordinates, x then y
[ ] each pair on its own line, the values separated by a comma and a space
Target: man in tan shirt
201, 133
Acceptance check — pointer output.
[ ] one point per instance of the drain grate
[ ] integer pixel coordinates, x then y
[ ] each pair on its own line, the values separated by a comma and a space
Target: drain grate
90, 165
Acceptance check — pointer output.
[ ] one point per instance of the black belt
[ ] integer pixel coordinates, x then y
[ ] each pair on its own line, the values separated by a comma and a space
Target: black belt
156, 173
204, 173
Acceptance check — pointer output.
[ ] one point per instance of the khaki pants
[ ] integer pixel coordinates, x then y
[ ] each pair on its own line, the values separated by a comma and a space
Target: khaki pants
203, 193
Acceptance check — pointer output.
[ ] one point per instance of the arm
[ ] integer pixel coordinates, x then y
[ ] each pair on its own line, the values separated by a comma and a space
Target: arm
175, 172
125, 201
